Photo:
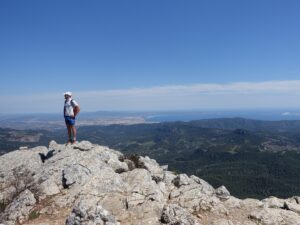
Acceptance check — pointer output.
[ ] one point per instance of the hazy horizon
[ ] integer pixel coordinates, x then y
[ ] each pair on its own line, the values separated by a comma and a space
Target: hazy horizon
162, 116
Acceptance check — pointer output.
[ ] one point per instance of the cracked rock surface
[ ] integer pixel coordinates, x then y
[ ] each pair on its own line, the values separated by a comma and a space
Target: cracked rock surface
88, 184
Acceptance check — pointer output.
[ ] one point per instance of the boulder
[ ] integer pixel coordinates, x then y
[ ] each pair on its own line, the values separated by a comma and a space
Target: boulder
113, 160
205, 187
273, 202
141, 185
271, 216
19, 209
222, 193
49, 188
193, 195
75, 174
180, 180
153, 167
88, 212
174, 214
83, 146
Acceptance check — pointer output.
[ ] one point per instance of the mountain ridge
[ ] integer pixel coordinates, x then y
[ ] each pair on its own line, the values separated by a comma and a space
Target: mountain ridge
88, 184
222, 157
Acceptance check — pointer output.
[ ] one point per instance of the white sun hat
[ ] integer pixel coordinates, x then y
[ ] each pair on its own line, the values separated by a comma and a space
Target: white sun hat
69, 93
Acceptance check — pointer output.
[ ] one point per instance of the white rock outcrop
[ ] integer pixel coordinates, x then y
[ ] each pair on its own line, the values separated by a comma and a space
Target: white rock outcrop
87, 184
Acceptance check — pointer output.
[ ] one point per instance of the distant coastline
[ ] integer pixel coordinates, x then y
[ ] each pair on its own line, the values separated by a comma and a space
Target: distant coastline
55, 120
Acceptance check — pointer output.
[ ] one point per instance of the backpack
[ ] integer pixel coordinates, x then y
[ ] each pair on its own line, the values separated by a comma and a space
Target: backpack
73, 105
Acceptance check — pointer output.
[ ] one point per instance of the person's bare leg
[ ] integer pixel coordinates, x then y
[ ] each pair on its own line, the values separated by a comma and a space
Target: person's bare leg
73, 128
69, 134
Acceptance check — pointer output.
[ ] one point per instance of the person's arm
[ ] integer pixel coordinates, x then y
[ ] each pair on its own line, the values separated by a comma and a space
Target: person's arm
76, 110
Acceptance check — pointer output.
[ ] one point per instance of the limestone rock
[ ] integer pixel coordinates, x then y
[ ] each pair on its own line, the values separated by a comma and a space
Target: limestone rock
193, 195
49, 187
232, 203
19, 209
222, 193
205, 187
168, 179
113, 160
142, 185
75, 173
292, 206
222, 222
251, 203
269, 216
273, 202
173, 214
83, 146
180, 180
153, 167
99, 185
88, 212
164, 167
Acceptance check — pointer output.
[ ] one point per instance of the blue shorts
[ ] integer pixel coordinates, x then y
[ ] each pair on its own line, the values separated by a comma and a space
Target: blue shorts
70, 120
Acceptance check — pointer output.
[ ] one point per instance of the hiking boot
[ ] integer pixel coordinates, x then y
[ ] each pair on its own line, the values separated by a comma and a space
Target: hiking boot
69, 142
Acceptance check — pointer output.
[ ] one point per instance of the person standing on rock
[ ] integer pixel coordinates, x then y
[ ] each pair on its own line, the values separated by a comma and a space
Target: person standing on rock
71, 109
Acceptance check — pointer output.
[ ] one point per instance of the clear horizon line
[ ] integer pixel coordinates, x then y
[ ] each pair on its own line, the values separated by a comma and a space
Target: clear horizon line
200, 96
283, 110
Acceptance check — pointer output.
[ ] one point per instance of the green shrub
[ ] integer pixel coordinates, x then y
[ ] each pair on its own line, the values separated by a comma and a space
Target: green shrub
33, 215
136, 160
3, 205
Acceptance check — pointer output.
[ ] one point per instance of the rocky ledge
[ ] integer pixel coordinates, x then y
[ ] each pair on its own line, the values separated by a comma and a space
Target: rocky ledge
87, 184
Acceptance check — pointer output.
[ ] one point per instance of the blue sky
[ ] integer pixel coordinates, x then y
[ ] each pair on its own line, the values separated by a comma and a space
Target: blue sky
98, 47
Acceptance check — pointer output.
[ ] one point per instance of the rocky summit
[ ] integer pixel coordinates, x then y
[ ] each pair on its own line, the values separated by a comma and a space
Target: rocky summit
87, 184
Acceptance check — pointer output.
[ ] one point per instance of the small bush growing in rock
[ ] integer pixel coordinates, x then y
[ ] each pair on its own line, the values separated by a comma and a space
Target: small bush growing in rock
135, 158
175, 172
33, 215
3, 205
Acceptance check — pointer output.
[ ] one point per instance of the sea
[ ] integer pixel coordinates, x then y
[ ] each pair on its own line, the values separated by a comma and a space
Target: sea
256, 114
